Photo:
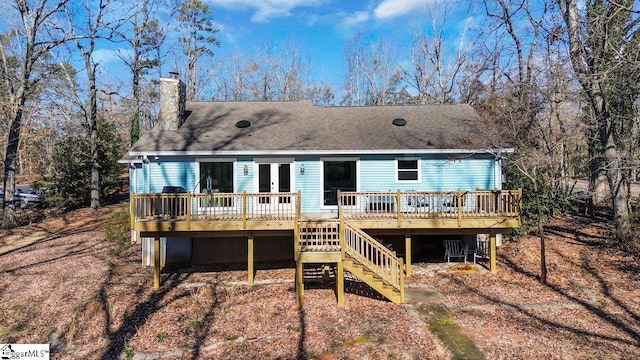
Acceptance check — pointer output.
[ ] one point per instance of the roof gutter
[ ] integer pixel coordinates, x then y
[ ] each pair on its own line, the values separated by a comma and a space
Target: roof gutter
314, 152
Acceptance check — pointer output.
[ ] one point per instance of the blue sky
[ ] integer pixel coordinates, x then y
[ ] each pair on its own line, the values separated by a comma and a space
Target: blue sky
320, 28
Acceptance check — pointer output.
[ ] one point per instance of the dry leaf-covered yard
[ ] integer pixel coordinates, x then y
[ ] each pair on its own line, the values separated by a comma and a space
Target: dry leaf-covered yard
62, 283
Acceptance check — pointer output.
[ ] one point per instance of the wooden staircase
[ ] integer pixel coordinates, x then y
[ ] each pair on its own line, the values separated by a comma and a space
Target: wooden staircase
373, 263
359, 253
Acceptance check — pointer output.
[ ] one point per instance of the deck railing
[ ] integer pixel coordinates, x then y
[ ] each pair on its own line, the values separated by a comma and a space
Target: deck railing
319, 236
419, 204
216, 206
352, 205
373, 255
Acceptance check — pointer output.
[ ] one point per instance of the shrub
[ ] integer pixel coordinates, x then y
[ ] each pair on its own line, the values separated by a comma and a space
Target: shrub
72, 164
552, 202
117, 230
629, 238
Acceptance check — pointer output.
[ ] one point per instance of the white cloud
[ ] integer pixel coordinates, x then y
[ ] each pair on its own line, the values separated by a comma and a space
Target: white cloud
392, 8
266, 9
355, 18
104, 56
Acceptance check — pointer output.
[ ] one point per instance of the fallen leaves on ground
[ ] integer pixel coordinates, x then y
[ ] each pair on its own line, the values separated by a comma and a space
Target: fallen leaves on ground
67, 287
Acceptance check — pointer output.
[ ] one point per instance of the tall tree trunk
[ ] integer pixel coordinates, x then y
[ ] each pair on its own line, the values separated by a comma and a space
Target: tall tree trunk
33, 16
93, 128
589, 74
618, 186
9, 217
594, 168
192, 76
543, 252
19, 99
95, 159
135, 120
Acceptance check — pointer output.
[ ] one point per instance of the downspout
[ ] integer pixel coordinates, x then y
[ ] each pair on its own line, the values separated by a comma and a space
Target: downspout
147, 171
498, 173
498, 179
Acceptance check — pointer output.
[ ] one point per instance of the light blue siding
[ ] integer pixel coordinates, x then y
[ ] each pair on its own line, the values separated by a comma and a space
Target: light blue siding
309, 184
436, 174
377, 173
244, 182
464, 174
137, 180
174, 172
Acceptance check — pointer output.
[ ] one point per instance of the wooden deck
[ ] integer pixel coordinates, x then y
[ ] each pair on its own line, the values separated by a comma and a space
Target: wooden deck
420, 212
167, 213
342, 241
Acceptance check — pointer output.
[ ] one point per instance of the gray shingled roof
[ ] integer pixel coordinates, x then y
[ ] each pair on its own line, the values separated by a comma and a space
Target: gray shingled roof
294, 126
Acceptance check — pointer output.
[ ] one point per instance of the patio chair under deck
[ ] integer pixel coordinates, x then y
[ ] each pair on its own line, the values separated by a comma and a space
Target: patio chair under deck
454, 249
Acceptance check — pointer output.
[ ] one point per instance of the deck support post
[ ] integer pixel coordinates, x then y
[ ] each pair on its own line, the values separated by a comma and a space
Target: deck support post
401, 281
407, 252
132, 211
492, 252
340, 283
250, 268
156, 262
299, 282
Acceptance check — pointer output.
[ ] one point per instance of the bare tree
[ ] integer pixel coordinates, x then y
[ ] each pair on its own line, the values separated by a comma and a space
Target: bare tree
437, 61
603, 39
354, 78
277, 72
519, 109
322, 95
145, 36
232, 79
372, 72
290, 71
261, 77
197, 38
39, 37
87, 23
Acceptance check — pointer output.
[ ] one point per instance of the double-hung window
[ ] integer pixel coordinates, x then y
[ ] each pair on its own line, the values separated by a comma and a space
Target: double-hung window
407, 170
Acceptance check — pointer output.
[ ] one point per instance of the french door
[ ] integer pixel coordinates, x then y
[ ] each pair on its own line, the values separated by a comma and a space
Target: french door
274, 178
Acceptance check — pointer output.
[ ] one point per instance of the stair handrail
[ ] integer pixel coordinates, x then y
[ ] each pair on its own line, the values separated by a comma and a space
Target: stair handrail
388, 267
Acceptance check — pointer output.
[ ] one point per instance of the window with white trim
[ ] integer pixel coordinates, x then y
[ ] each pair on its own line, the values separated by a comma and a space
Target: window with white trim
216, 177
408, 170
338, 175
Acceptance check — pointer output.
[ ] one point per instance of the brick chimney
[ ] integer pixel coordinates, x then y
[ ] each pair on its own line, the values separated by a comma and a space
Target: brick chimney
172, 102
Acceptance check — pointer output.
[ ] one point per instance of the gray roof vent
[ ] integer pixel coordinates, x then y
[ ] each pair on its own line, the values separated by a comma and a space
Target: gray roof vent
399, 122
243, 124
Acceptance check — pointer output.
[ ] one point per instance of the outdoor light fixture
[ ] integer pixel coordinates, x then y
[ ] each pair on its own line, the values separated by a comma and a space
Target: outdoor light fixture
245, 170
302, 169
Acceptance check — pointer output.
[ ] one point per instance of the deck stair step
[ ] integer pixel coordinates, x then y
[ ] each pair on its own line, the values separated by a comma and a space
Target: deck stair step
373, 280
364, 257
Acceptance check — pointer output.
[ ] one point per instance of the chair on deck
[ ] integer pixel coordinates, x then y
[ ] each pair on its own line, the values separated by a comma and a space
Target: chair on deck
454, 249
